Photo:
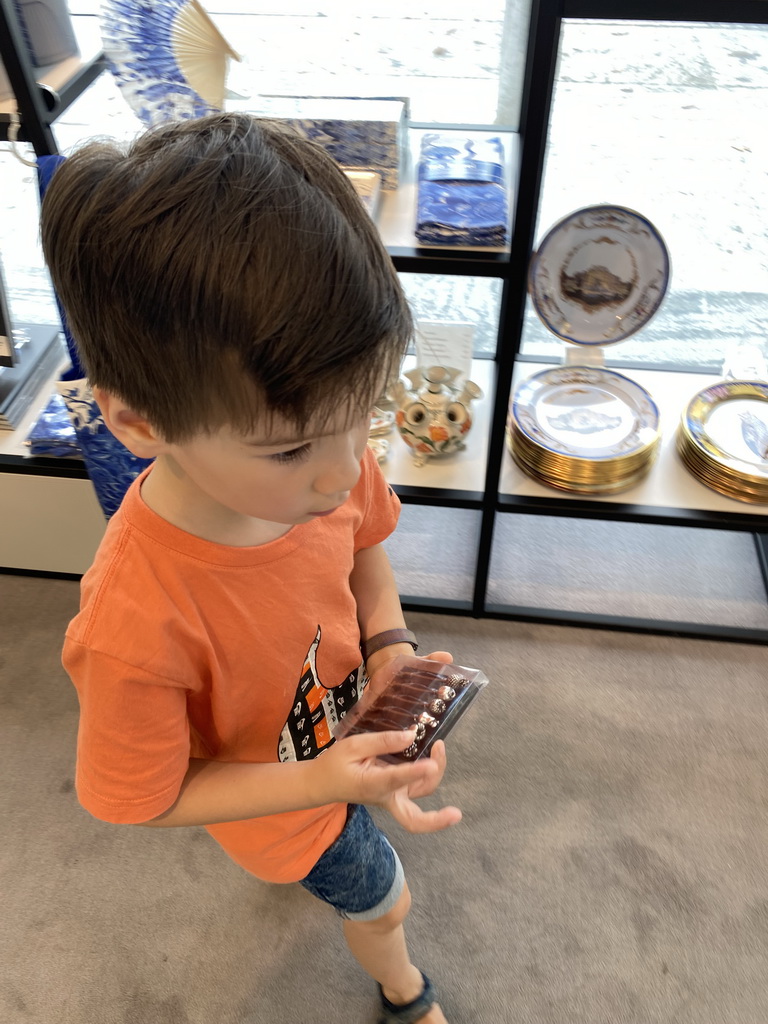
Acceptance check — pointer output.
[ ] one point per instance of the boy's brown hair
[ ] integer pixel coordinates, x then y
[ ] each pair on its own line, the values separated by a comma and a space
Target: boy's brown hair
220, 270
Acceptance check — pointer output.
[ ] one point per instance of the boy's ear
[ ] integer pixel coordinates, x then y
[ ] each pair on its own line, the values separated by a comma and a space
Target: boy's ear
135, 431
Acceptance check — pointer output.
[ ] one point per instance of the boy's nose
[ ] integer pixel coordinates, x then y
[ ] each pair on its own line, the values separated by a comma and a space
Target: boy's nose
339, 475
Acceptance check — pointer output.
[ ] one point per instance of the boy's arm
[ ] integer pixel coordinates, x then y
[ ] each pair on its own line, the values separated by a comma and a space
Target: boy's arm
214, 792
378, 609
378, 603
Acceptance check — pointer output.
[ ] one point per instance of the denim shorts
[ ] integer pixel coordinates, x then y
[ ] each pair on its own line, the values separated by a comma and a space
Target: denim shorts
360, 875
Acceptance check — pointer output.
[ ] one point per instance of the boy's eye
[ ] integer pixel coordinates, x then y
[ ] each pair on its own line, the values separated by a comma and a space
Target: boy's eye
294, 455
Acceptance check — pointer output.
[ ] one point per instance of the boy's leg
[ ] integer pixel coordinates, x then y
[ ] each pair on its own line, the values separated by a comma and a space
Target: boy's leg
379, 947
360, 875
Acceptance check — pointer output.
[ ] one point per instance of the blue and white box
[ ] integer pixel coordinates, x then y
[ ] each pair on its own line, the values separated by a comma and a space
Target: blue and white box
361, 134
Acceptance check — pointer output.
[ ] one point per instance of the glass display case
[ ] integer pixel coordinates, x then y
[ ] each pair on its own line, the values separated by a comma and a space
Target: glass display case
596, 102
642, 106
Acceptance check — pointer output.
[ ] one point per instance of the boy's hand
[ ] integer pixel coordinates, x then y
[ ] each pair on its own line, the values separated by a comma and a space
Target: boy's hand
379, 659
401, 806
351, 772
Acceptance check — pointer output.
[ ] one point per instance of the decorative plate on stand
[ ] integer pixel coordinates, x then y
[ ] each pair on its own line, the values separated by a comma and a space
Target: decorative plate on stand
599, 275
168, 58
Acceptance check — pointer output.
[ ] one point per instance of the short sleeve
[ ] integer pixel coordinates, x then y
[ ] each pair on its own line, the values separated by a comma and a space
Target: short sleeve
133, 743
381, 506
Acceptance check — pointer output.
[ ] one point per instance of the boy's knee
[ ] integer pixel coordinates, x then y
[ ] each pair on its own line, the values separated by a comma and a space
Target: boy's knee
393, 917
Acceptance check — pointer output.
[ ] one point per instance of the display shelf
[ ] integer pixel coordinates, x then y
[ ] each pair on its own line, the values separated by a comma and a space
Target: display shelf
51, 524
14, 453
459, 477
52, 520
397, 216
669, 493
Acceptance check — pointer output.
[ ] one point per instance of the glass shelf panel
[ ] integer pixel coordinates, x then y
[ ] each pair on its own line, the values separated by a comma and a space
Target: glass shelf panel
455, 63
450, 297
432, 552
668, 573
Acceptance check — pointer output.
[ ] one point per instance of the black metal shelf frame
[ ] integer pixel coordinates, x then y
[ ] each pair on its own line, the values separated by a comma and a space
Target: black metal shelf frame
650, 515
541, 61
37, 106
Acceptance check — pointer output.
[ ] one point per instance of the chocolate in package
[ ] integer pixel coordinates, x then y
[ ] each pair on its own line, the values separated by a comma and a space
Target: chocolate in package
412, 691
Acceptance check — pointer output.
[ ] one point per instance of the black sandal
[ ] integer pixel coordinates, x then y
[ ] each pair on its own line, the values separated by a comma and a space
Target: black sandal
408, 1013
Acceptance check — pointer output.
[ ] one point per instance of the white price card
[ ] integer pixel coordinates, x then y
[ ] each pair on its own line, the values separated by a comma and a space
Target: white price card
445, 344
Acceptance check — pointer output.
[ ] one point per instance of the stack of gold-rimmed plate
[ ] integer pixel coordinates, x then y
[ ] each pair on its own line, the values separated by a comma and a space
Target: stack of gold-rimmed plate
723, 439
583, 429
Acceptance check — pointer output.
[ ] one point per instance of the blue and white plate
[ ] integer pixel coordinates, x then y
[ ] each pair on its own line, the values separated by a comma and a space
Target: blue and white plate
599, 275
585, 413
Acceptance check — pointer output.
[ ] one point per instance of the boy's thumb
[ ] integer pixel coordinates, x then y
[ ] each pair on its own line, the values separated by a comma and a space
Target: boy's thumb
389, 741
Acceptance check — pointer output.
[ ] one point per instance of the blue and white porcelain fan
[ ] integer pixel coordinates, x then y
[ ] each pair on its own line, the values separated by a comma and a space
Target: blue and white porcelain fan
169, 59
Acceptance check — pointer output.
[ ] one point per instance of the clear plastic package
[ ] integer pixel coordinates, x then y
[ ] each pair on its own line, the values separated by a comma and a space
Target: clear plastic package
408, 691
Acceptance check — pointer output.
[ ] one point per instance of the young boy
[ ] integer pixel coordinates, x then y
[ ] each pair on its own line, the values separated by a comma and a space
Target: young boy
238, 315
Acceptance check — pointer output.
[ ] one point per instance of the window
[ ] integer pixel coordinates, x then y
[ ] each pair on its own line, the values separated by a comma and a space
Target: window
667, 119
444, 55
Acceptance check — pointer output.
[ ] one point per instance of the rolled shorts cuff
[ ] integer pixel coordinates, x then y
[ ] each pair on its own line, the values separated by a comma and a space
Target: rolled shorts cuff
360, 874
383, 906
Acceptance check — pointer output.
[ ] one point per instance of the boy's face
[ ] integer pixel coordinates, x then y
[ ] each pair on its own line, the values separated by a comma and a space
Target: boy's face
276, 477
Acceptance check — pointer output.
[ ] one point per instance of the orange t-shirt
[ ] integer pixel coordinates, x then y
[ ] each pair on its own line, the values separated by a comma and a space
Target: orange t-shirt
184, 648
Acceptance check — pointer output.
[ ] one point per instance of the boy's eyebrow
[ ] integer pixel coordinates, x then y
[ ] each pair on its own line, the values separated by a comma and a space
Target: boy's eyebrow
278, 442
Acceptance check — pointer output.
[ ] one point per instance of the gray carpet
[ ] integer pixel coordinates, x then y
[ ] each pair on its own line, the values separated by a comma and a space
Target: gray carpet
610, 866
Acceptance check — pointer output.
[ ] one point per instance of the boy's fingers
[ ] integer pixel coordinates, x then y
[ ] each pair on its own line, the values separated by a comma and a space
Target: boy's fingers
437, 753
440, 656
396, 776
373, 744
412, 818
407, 776
429, 784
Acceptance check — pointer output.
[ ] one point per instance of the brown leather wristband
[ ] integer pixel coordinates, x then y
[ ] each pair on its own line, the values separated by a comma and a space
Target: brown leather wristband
386, 639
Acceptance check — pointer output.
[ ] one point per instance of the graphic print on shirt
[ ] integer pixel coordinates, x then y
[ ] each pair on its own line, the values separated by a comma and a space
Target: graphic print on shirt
317, 708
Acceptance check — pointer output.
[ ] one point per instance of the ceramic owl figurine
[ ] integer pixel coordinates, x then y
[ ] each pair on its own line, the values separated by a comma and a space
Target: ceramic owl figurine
433, 414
